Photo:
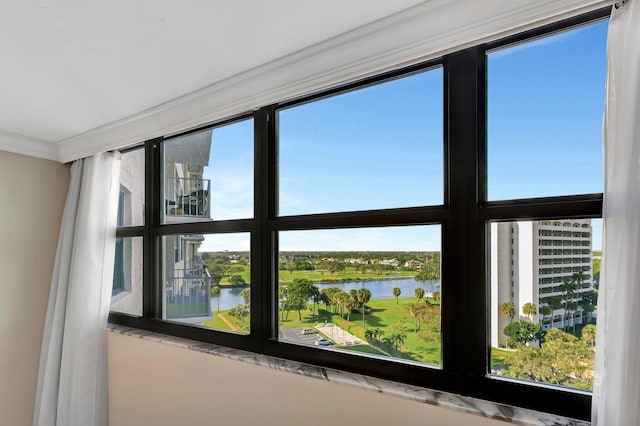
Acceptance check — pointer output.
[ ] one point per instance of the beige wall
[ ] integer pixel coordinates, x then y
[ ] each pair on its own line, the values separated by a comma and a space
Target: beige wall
158, 384
32, 196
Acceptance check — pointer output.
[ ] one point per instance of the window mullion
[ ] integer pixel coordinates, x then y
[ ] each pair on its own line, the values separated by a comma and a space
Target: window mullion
464, 294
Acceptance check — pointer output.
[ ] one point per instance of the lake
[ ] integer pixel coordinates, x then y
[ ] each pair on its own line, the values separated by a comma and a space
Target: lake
380, 289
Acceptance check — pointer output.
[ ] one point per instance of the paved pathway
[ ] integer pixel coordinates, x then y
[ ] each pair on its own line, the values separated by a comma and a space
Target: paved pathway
339, 335
226, 321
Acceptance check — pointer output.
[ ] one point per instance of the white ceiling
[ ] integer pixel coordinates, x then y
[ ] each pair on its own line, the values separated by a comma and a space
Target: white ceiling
76, 74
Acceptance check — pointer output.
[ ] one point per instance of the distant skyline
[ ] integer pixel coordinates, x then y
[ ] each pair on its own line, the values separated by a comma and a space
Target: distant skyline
382, 146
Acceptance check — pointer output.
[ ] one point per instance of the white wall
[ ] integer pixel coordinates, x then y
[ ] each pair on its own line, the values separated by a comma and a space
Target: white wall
158, 384
32, 195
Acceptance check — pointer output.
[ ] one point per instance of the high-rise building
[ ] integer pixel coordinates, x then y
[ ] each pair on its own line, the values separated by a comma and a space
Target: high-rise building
536, 262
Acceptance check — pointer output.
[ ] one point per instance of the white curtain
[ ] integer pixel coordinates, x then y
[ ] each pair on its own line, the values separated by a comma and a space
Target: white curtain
616, 397
72, 380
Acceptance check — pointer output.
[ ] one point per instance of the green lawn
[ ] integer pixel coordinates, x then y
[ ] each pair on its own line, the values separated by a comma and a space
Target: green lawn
499, 358
325, 276
383, 314
349, 274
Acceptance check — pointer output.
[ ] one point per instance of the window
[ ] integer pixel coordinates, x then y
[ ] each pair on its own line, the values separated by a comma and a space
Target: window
562, 115
421, 187
128, 266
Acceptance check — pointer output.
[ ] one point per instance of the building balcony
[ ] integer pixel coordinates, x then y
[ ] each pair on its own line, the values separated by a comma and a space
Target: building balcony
189, 295
191, 199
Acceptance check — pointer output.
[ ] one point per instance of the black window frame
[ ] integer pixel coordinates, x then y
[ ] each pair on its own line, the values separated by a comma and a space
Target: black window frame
464, 217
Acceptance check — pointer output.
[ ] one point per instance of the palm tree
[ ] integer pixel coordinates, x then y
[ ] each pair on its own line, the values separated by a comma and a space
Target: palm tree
416, 310
419, 292
363, 296
529, 309
315, 295
572, 307
545, 311
508, 309
569, 286
556, 303
588, 308
400, 337
215, 292
396, 293
349, 304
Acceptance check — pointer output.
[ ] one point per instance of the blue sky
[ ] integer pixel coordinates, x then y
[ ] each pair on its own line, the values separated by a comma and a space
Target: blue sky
381, 146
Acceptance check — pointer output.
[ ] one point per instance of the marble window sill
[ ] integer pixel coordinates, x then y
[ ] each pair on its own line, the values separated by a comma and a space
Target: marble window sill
475, 406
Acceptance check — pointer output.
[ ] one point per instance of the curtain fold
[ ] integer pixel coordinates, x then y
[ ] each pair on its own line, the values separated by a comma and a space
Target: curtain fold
72, 379
616, 393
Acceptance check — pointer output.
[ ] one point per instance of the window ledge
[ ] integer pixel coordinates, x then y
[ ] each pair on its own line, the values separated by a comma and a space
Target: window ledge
479, 407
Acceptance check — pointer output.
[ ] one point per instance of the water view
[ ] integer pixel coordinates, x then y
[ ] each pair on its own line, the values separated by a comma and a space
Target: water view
380, 289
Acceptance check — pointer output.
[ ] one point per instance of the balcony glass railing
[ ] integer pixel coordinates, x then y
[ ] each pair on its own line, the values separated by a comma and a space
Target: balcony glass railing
189, 295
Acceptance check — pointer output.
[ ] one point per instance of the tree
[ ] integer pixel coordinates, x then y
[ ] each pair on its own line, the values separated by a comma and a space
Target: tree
215, 292
556, 303
246, 296
522, 333
419, 292
396, 293
298, 293
282, 294
336, 267
374, 333
545, 311
562, 359
240, 312
421, 276
363, 296
315, 296
572, 307
436, 297
236, 280
589, 334
350, 305
530, 310
588, 308
568, 286
416, 311
508, 309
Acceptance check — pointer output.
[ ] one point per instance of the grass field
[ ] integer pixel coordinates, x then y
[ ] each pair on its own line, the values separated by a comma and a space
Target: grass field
383, 314
324, 275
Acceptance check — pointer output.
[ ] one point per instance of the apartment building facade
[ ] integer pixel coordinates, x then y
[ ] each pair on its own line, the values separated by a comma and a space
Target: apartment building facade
532, 262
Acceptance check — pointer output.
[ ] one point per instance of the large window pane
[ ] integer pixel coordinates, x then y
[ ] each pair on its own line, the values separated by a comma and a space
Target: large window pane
131, 200
126, 296
208, 175
368, 290
372, 148
206, 280
545, 108
544, 282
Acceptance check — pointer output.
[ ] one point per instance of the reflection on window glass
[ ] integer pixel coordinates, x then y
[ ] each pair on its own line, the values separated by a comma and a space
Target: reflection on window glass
126, 296
544, 281
371, 148
208, 175
207, 280
370, 290
131, 200
545, 107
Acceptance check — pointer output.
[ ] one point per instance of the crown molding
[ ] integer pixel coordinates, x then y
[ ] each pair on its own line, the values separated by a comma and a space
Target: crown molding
25, 145
419, 33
